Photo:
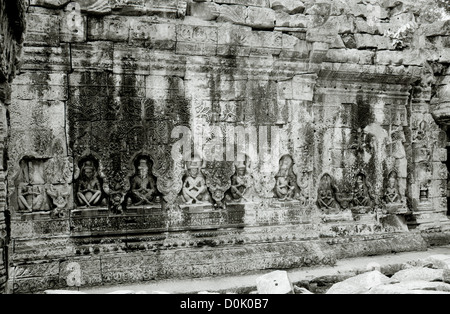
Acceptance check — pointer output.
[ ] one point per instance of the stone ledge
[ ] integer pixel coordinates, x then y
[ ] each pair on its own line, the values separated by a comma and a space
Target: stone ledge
113, 268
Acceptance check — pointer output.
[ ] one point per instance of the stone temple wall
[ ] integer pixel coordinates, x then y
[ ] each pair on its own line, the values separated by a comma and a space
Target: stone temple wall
12, 25
339, 102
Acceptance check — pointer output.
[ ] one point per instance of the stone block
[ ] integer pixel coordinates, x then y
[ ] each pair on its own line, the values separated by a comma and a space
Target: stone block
418, 273
46, 58
439, 28
288, 6
133, 60
208, 11
359, 284
260, 18
266, 43
153, 36
294, 22
92, 55
438, 261
42, 30
407, 58
342, 24
111, 28
292, 47
49, 3
88, 6
349, 56
234, 40
31, 113
21, 229
196, 40
324, 36
72, 24
276, 282
40, 85
367, 41
303, 87
235, 14
361, 26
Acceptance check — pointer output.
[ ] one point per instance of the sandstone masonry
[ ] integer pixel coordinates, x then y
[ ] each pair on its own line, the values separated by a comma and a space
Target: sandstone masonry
356, 94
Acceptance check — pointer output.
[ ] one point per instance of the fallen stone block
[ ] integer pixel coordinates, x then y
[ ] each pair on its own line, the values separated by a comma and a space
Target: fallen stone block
419, 273
276, 282
439, 261
207, 11
359, 284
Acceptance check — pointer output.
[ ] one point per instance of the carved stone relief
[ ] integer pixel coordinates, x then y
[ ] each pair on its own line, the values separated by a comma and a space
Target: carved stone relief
194, 189
31, 196
88, 184
241, 182
392, 194
326, 195
286, 188
362, 198
143, 184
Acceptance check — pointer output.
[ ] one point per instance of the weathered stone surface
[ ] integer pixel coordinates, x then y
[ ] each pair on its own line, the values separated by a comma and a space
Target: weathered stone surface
288, 6
276, 282
111, 28
365, 41
359, 284
419, 273
350, 56
415, 57
43, 30
439, 28
207, 11
103, 90
160, 36
438, 261
260, 18
72, 24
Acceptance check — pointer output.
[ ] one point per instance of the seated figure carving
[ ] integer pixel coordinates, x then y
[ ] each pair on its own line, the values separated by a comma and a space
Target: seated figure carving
25, 196
194, 189
361, 196
89, 190
285, 188
143, 185
326, 199
392, 195
31, 197
239, 183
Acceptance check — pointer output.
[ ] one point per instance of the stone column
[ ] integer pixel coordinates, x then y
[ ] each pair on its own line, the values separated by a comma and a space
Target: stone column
12, 25
429, 173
